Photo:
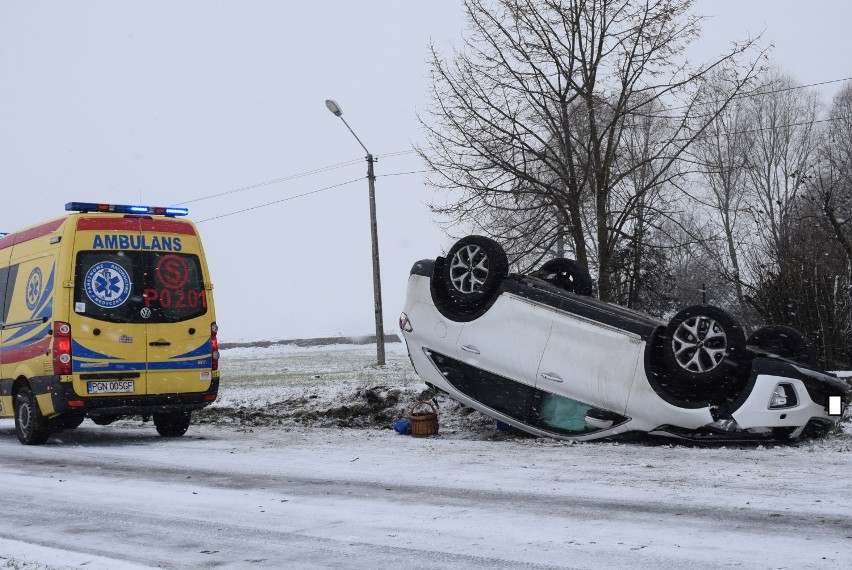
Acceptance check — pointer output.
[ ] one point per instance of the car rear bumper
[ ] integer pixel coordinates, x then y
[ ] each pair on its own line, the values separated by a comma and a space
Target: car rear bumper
66, 400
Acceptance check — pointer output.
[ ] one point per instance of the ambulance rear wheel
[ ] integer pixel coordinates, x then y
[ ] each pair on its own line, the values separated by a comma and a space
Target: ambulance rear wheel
172, 424
28, 419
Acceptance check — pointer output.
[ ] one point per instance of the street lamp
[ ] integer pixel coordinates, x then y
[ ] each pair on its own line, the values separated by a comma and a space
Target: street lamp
374, 234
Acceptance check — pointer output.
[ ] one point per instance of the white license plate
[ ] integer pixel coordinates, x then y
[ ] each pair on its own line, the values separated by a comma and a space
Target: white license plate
110, 387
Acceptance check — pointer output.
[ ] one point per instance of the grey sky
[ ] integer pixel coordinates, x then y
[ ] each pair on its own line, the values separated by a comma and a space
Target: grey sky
164, 102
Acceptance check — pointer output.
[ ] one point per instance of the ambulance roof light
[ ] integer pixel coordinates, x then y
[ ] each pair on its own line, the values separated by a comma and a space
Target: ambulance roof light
168, 211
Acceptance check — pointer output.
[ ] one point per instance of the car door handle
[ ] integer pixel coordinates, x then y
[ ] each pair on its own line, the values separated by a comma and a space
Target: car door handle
551, 376
159, 343
470, 348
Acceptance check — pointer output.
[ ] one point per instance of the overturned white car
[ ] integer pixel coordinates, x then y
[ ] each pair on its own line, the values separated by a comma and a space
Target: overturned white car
537, 352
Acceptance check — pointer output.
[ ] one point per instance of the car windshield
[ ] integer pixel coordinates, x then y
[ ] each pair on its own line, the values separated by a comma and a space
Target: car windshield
139, 286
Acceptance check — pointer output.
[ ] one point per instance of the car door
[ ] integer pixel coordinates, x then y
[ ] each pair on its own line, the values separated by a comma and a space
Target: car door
590, 362
508, 340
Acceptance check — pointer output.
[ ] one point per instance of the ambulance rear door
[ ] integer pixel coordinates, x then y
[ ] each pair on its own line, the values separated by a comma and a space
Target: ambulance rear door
108, 329
177, 308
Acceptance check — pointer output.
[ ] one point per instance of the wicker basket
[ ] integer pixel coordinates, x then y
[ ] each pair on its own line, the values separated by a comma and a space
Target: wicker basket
423, 423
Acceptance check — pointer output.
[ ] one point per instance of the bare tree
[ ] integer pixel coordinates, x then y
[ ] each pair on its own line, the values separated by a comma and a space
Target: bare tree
539, 102
722, 160
829, 228
784, 133
832, 185
645, 203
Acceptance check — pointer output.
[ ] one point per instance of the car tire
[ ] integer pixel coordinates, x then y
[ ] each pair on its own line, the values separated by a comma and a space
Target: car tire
173, 424
567, 274
472, 271
703, 347
785, 342
28, 419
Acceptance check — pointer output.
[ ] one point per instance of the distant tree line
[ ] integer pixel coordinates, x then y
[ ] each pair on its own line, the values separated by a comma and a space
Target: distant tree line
577, 128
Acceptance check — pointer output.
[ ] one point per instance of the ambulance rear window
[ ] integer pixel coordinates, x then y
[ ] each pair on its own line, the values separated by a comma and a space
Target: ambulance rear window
139, 286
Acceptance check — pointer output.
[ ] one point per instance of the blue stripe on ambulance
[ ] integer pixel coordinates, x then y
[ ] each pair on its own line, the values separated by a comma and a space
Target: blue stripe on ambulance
172, 365
44, 311
44, 305
80, 351
28, 341
203, 350
82, 366
187, 360
85, 360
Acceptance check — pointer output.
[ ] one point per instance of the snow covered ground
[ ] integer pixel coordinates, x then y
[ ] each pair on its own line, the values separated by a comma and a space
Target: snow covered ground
295, 467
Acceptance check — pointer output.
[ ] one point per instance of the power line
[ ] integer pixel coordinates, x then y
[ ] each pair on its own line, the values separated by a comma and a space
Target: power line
793, 88
281, 200
401, 173
761, 129
293, 177
268, 182
306, 194
405, 152
397, 153
760, 93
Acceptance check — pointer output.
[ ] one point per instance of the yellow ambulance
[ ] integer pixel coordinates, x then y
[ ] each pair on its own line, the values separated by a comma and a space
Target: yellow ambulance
107, 312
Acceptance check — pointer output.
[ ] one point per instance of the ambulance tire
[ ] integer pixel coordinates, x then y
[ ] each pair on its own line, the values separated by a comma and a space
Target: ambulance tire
173, 424
28, 420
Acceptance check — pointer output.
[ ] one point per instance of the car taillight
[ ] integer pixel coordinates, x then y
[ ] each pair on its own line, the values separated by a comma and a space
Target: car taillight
61, 348
214, 346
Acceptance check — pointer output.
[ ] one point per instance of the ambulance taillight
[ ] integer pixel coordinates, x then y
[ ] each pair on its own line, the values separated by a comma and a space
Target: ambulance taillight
61, 348
214, 346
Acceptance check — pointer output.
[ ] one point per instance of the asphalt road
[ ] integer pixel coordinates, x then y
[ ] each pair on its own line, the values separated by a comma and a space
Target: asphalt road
318, 498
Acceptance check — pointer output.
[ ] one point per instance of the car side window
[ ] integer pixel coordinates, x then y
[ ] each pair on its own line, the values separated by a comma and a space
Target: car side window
498, 393
563, 414
527, 404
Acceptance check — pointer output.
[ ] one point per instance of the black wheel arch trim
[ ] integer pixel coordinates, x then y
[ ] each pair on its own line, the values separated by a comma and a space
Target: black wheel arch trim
654, 370
440, 298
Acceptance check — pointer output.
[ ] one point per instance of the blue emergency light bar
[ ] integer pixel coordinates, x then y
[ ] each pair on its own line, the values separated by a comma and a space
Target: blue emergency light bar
3, 234
125, 209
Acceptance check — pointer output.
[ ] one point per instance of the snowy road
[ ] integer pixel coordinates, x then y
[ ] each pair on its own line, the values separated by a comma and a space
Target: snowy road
121, 497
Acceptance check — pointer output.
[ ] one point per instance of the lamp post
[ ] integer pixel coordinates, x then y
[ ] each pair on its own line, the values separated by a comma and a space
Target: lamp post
374, 234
